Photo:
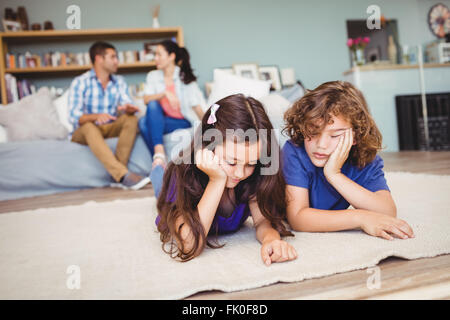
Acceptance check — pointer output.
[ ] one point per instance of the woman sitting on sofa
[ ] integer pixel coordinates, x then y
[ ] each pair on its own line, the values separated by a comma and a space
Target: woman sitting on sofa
172, 97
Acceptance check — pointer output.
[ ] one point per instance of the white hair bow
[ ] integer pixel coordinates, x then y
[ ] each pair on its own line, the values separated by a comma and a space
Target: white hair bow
212, 117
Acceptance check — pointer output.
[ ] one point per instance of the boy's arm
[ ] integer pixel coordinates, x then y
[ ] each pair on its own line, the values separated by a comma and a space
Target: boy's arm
303, 218
358, 196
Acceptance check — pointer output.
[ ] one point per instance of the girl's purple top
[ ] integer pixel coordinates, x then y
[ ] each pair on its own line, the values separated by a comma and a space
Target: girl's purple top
222, 224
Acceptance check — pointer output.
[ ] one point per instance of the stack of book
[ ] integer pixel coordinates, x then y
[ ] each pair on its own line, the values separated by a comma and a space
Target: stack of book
61, 59
50, 59
17, 89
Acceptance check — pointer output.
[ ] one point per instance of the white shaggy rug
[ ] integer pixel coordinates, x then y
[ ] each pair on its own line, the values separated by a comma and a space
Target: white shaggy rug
117, 254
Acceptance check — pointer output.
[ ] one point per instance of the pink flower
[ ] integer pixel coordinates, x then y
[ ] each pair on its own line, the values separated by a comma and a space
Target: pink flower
350, 42
366, 40
357, 41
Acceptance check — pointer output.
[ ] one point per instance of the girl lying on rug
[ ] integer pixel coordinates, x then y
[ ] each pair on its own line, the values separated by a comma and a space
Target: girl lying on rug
229, 180
331, 162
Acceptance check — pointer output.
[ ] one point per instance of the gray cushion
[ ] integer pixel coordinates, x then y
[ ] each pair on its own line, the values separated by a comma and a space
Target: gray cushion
32, 118
32, 168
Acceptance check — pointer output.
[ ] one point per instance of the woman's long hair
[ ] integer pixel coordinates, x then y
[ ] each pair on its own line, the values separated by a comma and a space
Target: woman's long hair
182, 59
184, 184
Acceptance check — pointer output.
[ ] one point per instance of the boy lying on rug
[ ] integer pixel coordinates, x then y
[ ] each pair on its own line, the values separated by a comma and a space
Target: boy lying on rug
230, 179
331, 162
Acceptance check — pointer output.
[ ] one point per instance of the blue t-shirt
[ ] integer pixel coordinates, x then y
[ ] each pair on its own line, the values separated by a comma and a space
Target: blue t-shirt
301, 172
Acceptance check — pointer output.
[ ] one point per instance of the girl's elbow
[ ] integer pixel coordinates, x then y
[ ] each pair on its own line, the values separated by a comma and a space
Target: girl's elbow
189, 247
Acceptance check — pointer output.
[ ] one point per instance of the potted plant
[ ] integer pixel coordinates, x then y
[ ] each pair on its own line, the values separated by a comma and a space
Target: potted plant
356, 47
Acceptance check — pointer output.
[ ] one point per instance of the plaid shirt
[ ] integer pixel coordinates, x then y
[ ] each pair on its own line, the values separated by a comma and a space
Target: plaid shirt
87, 96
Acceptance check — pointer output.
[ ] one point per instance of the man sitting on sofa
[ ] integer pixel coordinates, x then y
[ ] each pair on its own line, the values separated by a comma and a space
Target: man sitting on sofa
100, 108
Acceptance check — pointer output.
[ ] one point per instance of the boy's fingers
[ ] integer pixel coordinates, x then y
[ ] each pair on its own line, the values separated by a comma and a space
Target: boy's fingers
397, 232
385, 235
406, 228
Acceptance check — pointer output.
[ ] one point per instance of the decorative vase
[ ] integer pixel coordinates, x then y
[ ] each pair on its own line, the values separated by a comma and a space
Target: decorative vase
392, 50
360, 60
23, 18
358, 57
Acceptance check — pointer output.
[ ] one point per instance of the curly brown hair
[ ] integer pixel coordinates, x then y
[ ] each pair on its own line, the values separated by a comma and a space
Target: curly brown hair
310, 114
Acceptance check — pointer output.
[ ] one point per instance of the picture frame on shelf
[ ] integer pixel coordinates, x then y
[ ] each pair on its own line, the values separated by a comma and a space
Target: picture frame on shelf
271, 73
11, 26
150, 50
227, 70
246, 70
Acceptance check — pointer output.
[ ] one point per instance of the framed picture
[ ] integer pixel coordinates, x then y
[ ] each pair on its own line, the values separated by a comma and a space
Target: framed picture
227, 70
271, 73
11, 26
246, 70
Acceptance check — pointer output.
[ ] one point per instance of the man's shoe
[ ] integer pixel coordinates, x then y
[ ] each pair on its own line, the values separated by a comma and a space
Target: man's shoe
132, 181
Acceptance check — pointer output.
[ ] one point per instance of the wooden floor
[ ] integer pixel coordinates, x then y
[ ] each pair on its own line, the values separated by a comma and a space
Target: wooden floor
400, 279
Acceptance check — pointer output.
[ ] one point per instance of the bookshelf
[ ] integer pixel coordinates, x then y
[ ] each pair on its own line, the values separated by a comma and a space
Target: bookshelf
60, 36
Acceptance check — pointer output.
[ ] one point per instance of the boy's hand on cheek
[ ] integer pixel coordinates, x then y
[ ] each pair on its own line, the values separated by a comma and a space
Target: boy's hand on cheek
339, 155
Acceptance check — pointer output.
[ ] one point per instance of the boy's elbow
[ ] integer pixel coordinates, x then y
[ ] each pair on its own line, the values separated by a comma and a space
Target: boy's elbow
393, 211
295, 221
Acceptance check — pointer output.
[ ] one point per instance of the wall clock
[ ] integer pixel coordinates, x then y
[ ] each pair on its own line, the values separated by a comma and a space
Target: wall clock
439, 20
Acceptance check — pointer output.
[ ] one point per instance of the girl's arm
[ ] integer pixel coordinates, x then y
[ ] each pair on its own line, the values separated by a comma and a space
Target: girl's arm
358, 196
206, 161
273, 249
151, 97
303, 218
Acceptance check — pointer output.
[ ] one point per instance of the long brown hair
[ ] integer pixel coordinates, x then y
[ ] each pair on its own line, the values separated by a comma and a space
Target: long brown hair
182, 59
310, 114
188, 182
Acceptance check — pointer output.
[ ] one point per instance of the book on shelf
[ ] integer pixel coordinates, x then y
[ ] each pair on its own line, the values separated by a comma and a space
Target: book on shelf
62, 59
17, 89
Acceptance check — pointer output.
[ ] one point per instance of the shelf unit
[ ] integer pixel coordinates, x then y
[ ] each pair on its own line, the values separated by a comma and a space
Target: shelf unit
28, 37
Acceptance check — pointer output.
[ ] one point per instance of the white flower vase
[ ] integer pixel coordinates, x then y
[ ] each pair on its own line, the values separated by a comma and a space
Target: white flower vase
155, 22
360, 60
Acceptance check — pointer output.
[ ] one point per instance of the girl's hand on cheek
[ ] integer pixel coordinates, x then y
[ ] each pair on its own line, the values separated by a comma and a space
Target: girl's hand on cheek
339, 155
277, 251
208, 162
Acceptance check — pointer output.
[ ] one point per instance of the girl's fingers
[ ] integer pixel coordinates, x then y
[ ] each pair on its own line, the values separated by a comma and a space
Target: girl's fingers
265, 254
276, 252
291, 252
284, 252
